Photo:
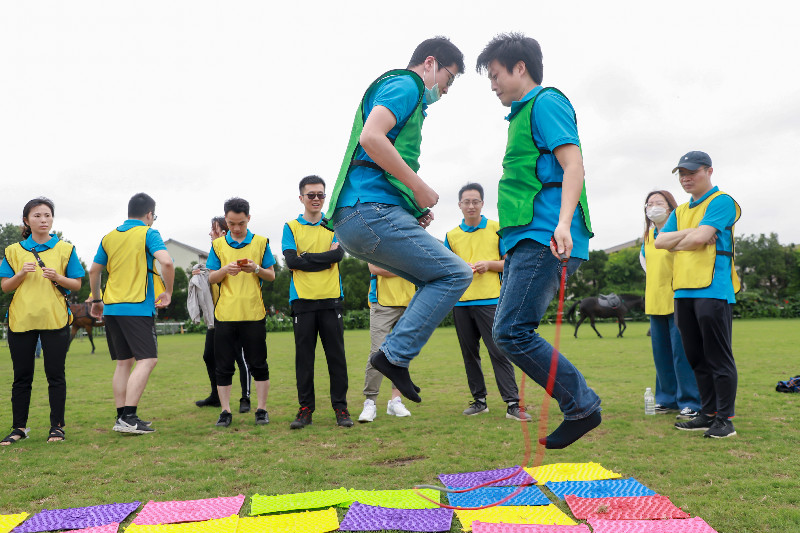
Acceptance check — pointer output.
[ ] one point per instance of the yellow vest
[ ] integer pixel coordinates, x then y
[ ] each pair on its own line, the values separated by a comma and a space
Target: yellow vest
37, 303
127, 267
695, 269
314, 285
658, 293
240, 296
394, 291
479, 245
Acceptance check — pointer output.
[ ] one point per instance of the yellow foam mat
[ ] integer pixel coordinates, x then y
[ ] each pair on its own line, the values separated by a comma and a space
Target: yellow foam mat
513, 514
570, 472
305, 522
221, 525
10, 521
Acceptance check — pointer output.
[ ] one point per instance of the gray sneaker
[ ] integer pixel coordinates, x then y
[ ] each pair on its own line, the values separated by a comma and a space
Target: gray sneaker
225, 419
476, 407
515, 413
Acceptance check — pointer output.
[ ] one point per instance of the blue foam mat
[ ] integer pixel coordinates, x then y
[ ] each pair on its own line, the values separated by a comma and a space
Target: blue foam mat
605, 488
488, 495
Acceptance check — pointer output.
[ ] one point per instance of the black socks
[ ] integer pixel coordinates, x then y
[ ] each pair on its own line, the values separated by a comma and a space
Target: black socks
128, 411
398, 375
570, 430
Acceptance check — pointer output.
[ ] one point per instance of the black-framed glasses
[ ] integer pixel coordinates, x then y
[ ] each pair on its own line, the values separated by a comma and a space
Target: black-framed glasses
452, 76
318, 195
155, 217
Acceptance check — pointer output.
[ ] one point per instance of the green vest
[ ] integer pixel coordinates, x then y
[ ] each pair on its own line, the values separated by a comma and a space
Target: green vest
520, 184
407, 144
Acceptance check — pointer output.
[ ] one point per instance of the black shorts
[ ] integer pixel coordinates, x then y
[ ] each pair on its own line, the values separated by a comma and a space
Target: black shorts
131, 336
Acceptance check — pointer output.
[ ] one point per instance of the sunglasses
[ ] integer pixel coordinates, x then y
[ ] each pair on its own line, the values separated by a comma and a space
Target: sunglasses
318, 195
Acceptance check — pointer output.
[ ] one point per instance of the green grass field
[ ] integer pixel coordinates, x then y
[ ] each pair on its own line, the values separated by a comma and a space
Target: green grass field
748, 483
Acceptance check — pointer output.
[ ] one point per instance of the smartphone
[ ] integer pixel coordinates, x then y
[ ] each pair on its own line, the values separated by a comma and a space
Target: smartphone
241, 262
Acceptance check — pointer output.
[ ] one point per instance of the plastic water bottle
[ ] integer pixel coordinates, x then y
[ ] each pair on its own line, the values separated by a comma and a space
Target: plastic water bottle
649, 402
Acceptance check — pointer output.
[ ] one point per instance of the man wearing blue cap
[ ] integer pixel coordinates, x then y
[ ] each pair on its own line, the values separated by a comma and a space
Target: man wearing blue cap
700, 233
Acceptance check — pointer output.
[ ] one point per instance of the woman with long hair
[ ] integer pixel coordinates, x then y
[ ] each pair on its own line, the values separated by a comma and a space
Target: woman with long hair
676, 387
40, 270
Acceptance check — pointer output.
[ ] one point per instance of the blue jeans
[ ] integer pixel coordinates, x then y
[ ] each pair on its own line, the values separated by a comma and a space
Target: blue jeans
531, 279
389, 237
676, 386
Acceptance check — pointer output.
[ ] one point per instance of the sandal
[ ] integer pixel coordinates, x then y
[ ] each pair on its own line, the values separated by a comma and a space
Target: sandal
56, 433
18, 433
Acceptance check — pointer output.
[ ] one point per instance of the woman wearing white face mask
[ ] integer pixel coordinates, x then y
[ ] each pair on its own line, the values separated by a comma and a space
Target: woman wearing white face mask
676, 387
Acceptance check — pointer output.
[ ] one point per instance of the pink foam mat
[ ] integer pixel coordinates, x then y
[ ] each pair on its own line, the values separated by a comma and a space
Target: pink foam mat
624, 508
472, 479
155, 513
686, 525
488, 527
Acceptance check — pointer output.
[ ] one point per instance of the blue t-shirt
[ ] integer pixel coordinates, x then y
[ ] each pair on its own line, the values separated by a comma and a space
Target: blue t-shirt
288, 243
720, 213
373, 289
153, 244
553, 126
398, 94
74, 268
500, 246
213, 262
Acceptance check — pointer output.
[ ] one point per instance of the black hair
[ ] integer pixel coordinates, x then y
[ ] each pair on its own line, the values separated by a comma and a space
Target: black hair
509, 49
445, 52
221, 222
36, 202
311, 180
140, 204
471, 187
237, 205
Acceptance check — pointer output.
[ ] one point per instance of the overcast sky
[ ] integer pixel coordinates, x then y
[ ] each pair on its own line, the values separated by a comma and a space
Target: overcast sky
196, 101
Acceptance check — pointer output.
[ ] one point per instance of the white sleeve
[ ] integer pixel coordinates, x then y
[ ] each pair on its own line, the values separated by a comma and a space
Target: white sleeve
643, 261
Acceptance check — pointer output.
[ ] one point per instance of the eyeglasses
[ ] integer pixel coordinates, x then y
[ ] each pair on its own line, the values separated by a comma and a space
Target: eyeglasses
318, 195
155, 217
452, 76
471, 203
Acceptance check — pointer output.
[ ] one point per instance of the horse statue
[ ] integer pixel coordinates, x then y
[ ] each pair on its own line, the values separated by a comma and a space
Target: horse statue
82, 318
605, 306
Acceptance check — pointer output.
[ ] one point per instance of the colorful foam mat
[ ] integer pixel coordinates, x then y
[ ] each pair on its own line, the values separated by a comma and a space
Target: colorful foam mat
220, 525
397, 499
686, 525
489, 527
599, 489
108, 528
473, 479
77, 517
305, 522
188, 511
372, 518
543, 514
489, 495
10, 521
570, 472
624, 508
300, 501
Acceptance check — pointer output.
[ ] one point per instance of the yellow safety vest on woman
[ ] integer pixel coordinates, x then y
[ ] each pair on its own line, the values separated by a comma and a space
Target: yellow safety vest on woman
240, 296
658, 293
479, 245
127, 267
314, 239
394, 291
37, 303
695, 269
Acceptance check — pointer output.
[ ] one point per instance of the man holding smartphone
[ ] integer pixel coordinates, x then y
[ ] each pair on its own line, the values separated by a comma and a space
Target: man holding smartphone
239, 263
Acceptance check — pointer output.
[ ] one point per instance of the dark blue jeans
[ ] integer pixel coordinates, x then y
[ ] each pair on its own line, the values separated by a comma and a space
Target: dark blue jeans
531, 279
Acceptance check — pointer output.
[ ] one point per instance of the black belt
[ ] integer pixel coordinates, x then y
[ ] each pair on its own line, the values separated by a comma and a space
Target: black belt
368, 164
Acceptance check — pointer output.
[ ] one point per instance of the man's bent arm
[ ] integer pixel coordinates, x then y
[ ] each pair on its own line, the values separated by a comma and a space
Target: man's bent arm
667, 240
697, 238
297, 262
570, 158
167, 269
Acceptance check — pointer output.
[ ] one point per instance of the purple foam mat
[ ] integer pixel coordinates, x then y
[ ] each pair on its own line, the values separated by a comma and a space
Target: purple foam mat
472, 479
362, 517
77, 517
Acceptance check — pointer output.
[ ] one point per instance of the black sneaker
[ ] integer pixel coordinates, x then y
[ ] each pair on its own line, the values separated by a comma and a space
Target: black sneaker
244, 405
302, 420
476, 407
687, 413
699, 423
720, 429
147, 423
211, 401
132, 425
262, 417
343, 418
225, 419
662, 409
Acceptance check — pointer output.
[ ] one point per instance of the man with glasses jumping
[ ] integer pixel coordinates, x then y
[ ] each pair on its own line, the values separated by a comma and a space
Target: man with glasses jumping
475, 241
315, 292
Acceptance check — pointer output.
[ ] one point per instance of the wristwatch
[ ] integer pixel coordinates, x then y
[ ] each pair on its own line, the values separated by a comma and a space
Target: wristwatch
256, 271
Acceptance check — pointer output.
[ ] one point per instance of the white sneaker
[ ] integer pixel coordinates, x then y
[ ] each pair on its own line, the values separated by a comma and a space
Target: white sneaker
369, 413
395, 407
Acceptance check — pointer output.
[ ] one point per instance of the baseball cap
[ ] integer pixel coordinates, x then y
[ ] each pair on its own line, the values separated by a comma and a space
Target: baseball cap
693, 161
